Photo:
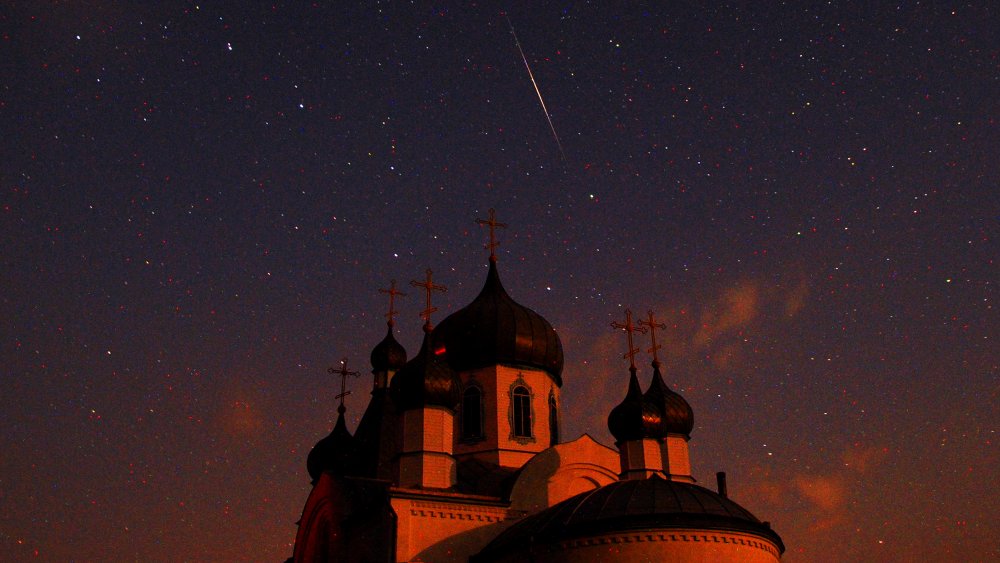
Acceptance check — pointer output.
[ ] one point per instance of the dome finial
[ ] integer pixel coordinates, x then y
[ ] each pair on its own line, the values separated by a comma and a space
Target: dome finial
429, 287
492, 222
393, 292
629, 327
652, 325
343, 373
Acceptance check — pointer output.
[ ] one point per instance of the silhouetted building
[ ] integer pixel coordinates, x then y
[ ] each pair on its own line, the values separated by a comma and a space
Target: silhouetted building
458, 457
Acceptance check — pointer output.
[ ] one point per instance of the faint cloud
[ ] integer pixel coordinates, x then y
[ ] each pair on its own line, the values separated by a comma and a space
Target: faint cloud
241, 415
795, 300
735, 309
826, 492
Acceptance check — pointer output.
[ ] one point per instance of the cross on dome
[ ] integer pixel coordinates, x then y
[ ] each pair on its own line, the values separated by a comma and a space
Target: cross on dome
493, 224
629, 329
393, 292
343, 373
429, 287
652, 325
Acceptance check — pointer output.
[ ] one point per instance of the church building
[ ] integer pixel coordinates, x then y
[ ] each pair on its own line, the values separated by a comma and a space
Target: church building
459, 456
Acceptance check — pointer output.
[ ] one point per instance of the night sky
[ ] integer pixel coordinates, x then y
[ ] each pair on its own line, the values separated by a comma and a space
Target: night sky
199, 204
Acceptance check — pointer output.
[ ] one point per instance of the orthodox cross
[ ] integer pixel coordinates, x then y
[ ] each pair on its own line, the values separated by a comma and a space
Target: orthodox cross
343, 373
393, 292
492, 222
652, 325
629, 328
429, 287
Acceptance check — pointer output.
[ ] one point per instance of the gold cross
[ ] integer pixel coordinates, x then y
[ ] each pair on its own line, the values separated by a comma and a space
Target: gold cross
652, 325
629, 328
492, 222
393, 292
429, 286
343, 373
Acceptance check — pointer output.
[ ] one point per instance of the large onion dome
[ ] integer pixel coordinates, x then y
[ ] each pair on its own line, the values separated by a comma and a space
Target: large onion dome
495, 329
678, 418
388, 354
633, 505
337, 453
634, 418
426, 380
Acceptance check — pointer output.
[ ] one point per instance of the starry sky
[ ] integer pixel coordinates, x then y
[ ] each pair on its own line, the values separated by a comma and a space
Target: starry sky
198, 204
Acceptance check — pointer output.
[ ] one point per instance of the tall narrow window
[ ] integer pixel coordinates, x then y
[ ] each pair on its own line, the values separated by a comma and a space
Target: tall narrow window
553, 421
472, 413
521, 400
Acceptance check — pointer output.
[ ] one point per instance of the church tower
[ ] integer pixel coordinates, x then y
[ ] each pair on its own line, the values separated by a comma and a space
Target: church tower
510, 362
378, 433
426, 392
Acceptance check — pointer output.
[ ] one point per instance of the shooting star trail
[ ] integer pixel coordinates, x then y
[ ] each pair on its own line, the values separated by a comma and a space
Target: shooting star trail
531, 75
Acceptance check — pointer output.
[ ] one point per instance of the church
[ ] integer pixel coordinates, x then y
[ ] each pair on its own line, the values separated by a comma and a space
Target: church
459, 456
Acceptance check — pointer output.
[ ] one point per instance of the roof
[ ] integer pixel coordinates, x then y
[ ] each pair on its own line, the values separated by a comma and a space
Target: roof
638, 504
494, 329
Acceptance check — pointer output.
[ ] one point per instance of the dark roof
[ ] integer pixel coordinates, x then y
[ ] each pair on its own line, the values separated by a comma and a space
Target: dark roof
388, 354
635, 417
337, 453
639, 504
426, 380
495, 329
678, 417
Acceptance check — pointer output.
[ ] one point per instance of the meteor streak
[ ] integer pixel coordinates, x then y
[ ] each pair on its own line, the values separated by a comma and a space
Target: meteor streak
531, 75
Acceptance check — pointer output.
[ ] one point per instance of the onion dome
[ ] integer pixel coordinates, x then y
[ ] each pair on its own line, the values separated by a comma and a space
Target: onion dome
337, 453
634, 418
426, 380
645, 505
678, 418
495, 329
388, 354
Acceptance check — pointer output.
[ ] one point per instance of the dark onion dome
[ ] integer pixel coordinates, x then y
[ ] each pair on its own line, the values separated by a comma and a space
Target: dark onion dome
634, 418
337, 453
495, 329
678, 418
652, 504
388, 354
426, 380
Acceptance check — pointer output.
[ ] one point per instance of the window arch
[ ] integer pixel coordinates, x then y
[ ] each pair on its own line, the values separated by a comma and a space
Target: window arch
472, 413
521, 410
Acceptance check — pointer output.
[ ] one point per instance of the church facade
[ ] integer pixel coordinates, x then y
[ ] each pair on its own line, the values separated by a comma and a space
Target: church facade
459, 457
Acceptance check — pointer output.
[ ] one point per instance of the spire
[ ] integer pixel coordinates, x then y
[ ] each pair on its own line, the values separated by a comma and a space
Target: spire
493, 224
634, 418
678, 418
336, 453
429, 287
388, 354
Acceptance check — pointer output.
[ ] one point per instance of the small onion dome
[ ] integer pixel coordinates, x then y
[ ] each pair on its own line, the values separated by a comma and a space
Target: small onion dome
426, 380
678, 418
494, 329
632, 505
388, 354
634, 418
337, 453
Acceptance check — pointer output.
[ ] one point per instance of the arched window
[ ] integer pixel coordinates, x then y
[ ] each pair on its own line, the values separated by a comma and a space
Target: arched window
553, 421
472, 413
521, 402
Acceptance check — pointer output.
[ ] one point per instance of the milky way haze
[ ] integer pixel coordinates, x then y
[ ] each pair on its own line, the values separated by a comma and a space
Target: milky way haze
199, 205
